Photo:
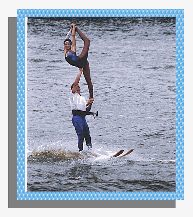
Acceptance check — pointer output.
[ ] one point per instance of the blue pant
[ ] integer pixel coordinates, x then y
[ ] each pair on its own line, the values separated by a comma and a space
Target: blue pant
82, 131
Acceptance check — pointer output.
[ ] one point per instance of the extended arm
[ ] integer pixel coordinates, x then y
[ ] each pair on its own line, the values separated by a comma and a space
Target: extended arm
73, 29
78, 76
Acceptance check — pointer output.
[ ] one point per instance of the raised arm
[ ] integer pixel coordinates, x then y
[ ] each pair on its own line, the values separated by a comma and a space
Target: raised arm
73, 29
78, 76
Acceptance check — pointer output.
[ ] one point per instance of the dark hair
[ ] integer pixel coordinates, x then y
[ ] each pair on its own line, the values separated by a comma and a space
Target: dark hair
68, 40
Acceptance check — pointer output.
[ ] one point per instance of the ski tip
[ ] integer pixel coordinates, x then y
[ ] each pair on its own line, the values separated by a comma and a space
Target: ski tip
118, 153
127, 153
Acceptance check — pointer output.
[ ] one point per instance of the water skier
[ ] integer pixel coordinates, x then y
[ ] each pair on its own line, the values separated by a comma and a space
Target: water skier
81, 60
79, 108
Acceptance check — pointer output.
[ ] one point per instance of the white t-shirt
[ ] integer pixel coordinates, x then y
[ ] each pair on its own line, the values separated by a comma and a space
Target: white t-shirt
77, 102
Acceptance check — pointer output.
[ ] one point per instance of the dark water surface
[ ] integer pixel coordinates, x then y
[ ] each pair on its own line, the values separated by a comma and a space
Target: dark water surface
132, 63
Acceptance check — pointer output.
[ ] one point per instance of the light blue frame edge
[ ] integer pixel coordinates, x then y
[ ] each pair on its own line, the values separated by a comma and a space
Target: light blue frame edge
179, 15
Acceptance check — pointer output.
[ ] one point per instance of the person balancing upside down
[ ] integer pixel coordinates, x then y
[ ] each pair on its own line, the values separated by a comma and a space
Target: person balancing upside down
80, 108
81, 60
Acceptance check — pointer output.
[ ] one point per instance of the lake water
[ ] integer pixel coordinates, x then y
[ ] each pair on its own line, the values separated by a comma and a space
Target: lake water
132, 63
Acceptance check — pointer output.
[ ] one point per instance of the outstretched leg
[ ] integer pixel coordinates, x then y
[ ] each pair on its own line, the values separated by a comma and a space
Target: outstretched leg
86, 72
85, 49
84, 55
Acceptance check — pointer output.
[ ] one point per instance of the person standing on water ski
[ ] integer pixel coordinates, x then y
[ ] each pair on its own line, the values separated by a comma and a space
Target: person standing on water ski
81, 60
79, 108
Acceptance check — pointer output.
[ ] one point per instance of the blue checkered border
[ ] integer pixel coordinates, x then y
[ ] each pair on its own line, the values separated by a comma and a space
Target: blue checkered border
179, 15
